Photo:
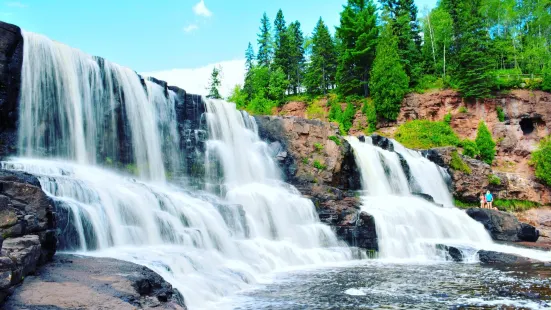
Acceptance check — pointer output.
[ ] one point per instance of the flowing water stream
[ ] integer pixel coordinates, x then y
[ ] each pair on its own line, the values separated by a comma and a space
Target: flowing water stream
105, 144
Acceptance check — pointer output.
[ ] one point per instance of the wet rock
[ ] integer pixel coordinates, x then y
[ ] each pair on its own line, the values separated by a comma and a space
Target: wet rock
89, 282
454, 253
382, 142
504, 226
492, 257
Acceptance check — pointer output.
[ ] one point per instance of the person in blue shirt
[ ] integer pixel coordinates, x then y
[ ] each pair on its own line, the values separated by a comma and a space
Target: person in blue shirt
489, 199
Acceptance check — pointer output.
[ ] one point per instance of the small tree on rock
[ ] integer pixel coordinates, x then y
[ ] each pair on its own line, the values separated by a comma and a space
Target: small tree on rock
541, 160
214, 84
485, 143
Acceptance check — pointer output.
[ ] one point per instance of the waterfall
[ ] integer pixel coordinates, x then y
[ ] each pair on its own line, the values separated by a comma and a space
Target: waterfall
409, 227
80, 115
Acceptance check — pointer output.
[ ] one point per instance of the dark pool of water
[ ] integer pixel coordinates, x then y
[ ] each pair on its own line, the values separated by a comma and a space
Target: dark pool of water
380, 285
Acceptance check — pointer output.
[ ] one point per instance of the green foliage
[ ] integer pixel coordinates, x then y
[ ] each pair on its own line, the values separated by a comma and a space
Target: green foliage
448, 118
494, 179
462, 204
132, 169
239, 97
335, 139
541, 160
424, 134
261, 106
347, 117
370, 112
296, 56
429, 82
282, 53
463, 109
319, 165
470, 148
500, 114
514, 205
318, 146
389, 83
214, 84
458, 164
305, 161
277, 87
108, 161
485, 143
265, 44
320, 74
546, 83
315, 110
357, 37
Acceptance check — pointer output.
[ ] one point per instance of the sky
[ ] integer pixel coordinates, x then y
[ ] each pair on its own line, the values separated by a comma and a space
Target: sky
179, 41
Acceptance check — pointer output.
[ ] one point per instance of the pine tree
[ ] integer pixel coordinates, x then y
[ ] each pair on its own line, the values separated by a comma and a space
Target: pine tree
320, 74
357, 37
389, 82
296, 49
471, 49
282, 49
214, 84
485, 143
265, 50
249, 66
249, 57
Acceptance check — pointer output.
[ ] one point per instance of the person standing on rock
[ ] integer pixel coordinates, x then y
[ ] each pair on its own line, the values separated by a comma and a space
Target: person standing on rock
482, 201
489, 200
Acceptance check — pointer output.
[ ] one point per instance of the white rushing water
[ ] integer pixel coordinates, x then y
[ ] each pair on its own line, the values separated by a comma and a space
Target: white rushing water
208, 246
409, 227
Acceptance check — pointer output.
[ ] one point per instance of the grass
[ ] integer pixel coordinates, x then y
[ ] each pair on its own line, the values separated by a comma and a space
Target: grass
463, 109
319, 165
335, 139
424, 134
318, 146
494, 179
315, 110
464, 205
500, 114
305, 161
514, 205
457, 163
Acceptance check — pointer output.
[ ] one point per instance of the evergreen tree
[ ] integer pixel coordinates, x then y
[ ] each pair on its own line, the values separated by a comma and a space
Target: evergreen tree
282, 48
357, 37
214, 84
320, 74
406, 28
249, 65
249, 57
296, 50
485, 143
471, 48
265, 50
389, 82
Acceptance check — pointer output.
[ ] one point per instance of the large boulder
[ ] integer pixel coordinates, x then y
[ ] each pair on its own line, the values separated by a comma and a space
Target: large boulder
504, 226
492, 257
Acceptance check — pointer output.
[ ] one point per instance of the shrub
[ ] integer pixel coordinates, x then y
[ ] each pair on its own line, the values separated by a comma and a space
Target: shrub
500, 114
315, 110
261, 106
469, 148
424, 134
305, 161
546, 82
369, 110
494, 179
448, 118
514, 205
319, 165
458, 164
463, 109
541, 160
485, 143
464, 205
335, 139
318, 146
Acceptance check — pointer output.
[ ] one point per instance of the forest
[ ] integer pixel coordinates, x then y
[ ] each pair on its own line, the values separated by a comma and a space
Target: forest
376, 55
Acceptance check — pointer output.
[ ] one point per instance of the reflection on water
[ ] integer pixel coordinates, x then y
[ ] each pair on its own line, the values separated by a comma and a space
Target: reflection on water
383, 285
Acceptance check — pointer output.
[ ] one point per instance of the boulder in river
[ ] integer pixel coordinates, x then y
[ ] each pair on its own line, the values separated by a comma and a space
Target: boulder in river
492, 257
504, 226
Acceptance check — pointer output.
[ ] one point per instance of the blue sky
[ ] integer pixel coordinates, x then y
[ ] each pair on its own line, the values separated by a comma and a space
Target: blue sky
160, 35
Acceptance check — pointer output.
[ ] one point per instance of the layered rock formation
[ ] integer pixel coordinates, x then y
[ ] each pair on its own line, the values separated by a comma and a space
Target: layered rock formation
27, 225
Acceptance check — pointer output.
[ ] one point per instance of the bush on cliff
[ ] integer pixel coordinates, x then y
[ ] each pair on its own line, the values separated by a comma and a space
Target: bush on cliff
424, 134
486, 145
546, 83
541, 160
458, 164
369, 110
469, 148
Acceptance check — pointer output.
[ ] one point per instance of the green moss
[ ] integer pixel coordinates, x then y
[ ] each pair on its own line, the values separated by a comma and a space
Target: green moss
494, 179
318, 146
463, 109
305, 161
319, 165
458, 164
448, 118
335, 139
500, 114
132, 168
514, 205
424, 134
541, 160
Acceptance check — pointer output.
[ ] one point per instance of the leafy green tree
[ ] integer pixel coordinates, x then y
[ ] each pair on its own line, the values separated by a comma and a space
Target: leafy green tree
214, 84
347, 117
282, 54
438, 36
320, 74
239, 97
546, 83
278, 86
470, 148
485, 144
541, 160
357, 36
389, 82
265, 45
297, 59
471, 48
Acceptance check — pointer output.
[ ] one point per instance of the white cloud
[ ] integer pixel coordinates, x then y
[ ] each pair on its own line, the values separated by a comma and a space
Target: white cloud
201, 9
17, 4
196, 80
190, 28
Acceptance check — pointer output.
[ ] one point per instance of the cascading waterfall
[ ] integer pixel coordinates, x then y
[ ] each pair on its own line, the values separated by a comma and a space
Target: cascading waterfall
409, 227
207, 246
